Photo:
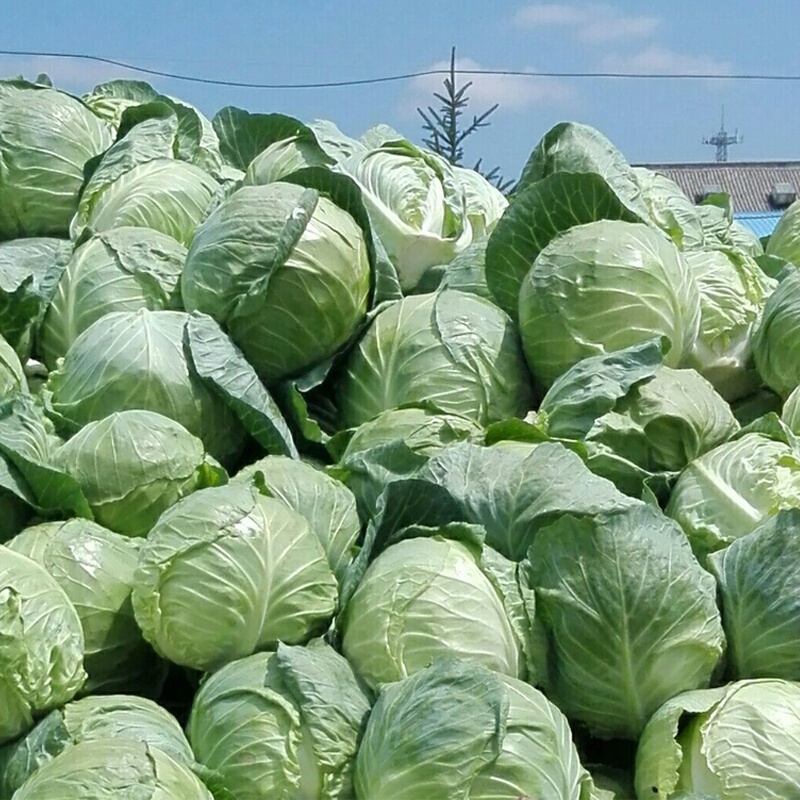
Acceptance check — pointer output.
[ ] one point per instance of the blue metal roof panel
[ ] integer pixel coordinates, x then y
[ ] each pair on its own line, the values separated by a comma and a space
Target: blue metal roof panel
762, 224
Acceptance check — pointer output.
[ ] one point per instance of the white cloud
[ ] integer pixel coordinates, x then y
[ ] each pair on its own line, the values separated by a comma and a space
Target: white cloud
72, 75
542, 15
660, 60
589, 22
512, 92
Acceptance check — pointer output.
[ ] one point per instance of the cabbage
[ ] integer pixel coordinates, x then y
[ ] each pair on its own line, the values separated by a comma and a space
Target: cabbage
777, 336
739, 742
46, 138
454, 597
456, 352
784, 242
95, 569
645, 614
41, 660
112, 769
285, 270
485, 203
603, 287
284, 724
137, 360
415, 204
92, 719
728, 491
670, 209
227, 572
458, 730
133, 465
326, 504
733, 292
759, 584
120, 270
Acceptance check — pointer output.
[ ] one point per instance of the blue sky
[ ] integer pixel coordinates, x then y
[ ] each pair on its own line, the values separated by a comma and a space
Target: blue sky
313, 40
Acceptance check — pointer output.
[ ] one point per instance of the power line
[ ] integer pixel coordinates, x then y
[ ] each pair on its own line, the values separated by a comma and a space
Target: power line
404, 76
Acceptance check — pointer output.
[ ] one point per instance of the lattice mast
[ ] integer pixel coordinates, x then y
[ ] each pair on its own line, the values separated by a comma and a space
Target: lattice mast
722, 140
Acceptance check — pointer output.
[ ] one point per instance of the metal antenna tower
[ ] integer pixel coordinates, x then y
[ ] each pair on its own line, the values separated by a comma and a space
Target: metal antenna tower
722, 139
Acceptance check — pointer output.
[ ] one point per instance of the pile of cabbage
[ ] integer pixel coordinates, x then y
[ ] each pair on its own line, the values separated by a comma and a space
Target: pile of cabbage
327, 472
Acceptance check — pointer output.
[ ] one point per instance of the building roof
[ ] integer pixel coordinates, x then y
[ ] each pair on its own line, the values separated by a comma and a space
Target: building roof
762, 223
749, 183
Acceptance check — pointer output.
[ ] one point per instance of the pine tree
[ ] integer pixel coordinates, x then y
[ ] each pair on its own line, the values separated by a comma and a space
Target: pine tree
446, 131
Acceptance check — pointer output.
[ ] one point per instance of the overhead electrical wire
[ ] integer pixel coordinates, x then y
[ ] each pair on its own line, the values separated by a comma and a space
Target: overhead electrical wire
404, 76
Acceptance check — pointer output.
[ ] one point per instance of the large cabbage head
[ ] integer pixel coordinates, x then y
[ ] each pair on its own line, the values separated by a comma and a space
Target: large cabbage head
137, 360
326, 503
740, 742
41, 659
454, 597
733, 292
284, 724
46, 138
163, 194
637, 417
283, 157
285, 270
123, 269
456, 729
95, 568
453, 351
133, 465
226, 572
113, 769
759, 587
776, 340
646, 612
92, 719
415, 204
725, 493
605, 286
369, 460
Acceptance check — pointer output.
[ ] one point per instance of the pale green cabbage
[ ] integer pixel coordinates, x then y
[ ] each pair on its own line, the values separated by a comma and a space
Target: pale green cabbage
285, 270
281, 725
227, 572
41, 659
454, 351
94, 567
123, 269
603, 287
46, 138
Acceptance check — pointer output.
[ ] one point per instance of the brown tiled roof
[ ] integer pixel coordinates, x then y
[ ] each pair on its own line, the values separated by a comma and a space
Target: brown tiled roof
749, 183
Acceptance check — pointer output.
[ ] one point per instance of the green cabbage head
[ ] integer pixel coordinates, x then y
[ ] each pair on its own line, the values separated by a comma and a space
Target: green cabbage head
605, 286
739, 742
280, 725
133, 465
46, 138
725, 493
137, 360
264, 578
285, 270
95, 568
415, 205
455, 729
92, 719
113, 769
455, 352
41, 659
123, 269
